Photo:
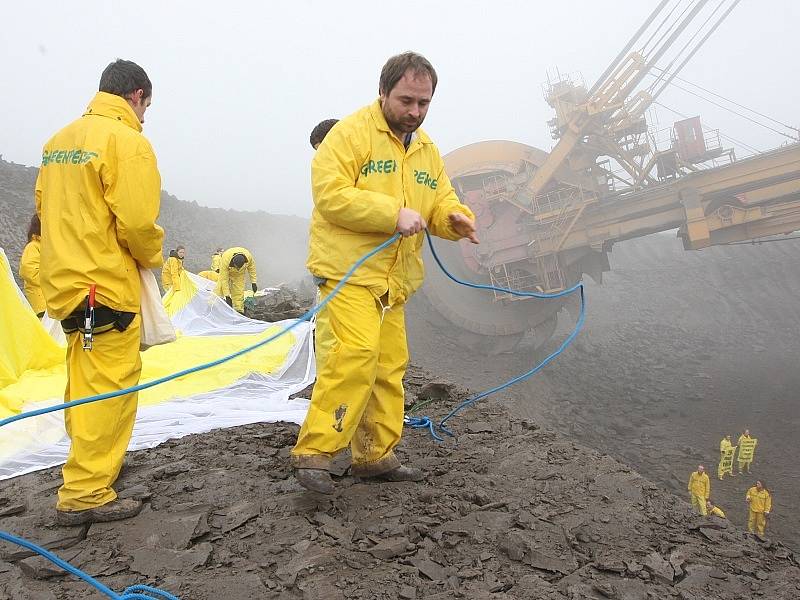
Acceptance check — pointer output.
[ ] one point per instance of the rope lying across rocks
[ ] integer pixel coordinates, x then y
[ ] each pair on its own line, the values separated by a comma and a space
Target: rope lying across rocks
144, 592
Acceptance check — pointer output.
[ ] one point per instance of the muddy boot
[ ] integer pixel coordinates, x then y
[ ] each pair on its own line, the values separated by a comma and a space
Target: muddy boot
116, 510
402, 473
315, 480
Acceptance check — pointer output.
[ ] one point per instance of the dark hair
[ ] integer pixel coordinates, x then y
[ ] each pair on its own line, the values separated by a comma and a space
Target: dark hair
35, 227
396, 67
238, 260
321, 130
180, 247
123, 78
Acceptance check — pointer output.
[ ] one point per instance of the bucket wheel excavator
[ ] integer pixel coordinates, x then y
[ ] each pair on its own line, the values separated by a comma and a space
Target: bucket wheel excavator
546, 219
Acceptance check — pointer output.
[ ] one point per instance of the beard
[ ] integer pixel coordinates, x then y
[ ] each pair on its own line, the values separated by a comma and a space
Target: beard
403, 125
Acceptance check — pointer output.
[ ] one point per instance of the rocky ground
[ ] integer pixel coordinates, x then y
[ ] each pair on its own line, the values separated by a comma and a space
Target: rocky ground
508, 509
280, 304
679, 348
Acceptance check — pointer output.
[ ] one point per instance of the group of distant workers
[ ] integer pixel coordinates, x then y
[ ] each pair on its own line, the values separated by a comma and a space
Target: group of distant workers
758, 497
228, 270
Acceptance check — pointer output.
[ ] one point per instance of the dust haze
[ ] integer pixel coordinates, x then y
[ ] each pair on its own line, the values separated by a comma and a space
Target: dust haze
237, 91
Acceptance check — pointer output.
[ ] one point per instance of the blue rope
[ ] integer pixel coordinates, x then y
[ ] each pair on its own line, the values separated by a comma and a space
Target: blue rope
143, 592
425, 422
213, 363
131, 593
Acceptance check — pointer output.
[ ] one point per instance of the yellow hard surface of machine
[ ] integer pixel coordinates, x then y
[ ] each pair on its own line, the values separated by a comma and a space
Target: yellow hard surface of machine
545, 219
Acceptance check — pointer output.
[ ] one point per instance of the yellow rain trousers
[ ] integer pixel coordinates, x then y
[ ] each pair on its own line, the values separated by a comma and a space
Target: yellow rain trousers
760, 506
231, 279
100, 431
358, 397
29, 271
699, 490
323, 340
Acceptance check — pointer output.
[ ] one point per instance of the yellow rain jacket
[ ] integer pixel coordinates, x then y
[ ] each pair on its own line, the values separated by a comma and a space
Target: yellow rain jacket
98, 218
215, 258
699, 485
231, 279
29, 271
349, 221
760, 502
171, 273
724, 445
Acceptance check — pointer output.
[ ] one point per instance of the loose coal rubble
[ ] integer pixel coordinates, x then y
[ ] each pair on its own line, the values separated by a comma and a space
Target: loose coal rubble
277, 305
507, 510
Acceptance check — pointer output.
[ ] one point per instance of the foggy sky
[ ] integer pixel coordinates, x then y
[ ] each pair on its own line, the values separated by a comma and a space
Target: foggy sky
237, 88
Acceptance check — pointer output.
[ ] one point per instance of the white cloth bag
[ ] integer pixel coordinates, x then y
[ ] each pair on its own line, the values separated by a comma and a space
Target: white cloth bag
156, 326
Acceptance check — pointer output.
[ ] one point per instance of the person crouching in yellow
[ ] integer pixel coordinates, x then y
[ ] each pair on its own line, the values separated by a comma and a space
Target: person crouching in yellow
712, 510
172, 269
230, 285
101, 167
699, 489
375, 174
760, 504
29, 265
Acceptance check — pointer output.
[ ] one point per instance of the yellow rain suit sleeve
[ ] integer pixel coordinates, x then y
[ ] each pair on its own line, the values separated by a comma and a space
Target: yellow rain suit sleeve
447, 202
360, 179
335, 172
166, 275
99, 165
29, 271
717, 511
251, 268
138, 178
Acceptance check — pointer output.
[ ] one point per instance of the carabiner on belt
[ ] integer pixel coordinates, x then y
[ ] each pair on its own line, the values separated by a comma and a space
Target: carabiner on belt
88, 320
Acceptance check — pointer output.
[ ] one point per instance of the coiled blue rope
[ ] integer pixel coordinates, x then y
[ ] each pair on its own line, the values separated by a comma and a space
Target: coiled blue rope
426, 422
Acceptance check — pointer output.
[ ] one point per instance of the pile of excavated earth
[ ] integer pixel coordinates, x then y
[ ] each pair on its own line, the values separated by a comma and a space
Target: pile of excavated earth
508, 509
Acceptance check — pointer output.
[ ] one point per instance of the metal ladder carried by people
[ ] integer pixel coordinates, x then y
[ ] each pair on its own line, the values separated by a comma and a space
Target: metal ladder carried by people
143, 592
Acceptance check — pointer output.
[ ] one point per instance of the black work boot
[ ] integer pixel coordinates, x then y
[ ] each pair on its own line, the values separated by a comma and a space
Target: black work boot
116, 510
402, 473
315, 480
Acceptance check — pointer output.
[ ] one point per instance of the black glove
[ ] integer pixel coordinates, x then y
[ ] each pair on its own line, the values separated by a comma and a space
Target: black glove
255, 288
229, 301
216, 270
